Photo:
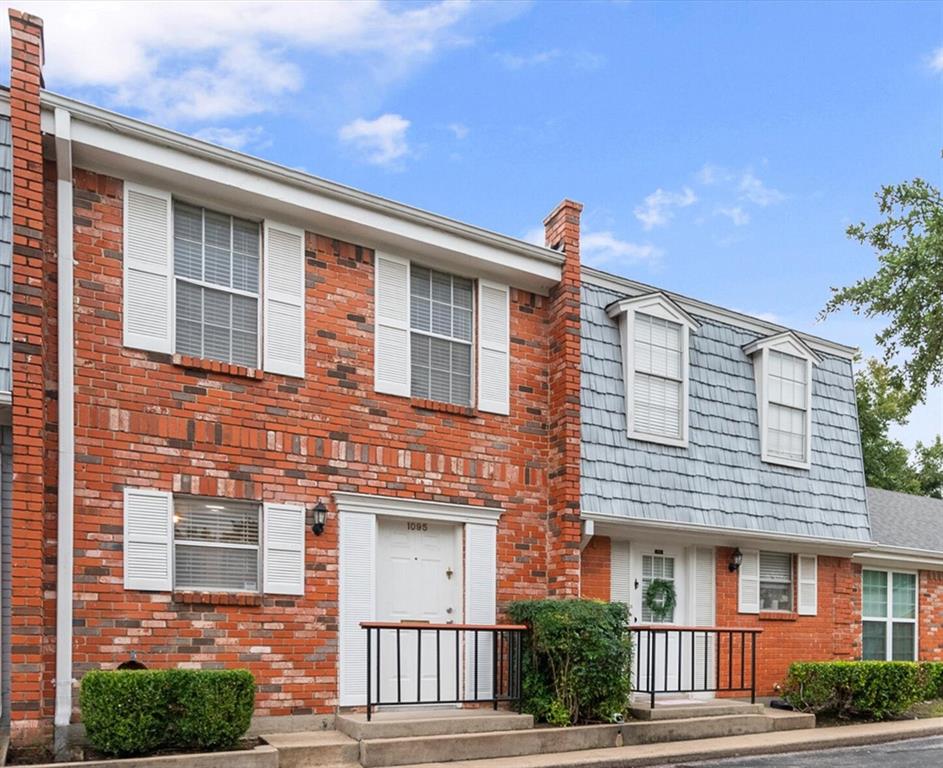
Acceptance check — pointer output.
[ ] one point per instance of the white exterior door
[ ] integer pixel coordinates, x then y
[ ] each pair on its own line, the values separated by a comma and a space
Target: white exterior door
668, 564
418, 579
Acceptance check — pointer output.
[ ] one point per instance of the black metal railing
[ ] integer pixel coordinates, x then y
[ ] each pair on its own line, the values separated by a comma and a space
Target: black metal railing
414, 663
671, 659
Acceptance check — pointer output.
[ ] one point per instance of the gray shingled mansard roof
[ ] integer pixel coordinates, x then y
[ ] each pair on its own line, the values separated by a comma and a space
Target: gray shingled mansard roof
902, 520
718, 480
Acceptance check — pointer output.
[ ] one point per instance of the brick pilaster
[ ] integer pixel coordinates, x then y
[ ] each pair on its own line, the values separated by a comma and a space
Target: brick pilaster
562, 231
29, 362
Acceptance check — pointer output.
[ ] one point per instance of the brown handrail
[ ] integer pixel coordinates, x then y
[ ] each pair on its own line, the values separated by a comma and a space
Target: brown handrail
424, 625
678, 627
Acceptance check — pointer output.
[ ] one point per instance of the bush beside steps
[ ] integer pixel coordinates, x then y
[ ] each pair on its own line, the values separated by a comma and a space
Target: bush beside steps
874, 690
139, 712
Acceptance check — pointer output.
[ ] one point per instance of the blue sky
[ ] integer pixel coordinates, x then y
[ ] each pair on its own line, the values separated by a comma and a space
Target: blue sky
720, 149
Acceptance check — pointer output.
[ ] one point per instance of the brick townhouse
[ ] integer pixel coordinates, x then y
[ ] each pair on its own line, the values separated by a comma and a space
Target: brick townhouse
251, 409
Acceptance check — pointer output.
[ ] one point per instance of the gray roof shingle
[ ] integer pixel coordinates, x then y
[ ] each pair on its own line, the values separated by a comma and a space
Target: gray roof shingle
903, 520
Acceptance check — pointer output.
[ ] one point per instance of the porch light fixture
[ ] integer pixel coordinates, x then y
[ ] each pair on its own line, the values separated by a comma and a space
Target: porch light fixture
736, 558
319, 515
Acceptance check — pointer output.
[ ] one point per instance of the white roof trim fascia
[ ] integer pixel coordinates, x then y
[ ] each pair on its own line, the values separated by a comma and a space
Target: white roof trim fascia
634, 288
393, 506
792, 336
117, 134
728, 536
885, 553
624, 305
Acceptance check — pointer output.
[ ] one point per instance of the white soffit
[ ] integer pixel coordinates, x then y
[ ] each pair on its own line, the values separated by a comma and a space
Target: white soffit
130, 149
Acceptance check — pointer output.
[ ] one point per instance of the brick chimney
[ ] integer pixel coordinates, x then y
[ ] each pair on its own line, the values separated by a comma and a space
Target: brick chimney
562, 233
30, 698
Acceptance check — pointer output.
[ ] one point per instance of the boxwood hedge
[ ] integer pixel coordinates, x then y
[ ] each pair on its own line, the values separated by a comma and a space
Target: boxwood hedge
875, 690
138, 712
577, 660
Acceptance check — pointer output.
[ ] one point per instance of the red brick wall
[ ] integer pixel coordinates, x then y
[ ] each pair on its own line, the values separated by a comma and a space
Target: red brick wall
595, 567
930, 607
833, 633
142, 420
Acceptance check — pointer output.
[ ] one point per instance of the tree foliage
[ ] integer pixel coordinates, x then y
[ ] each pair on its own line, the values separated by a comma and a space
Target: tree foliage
908, 285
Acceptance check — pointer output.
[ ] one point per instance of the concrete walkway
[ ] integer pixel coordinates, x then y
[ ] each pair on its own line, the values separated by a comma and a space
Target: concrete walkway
712, 749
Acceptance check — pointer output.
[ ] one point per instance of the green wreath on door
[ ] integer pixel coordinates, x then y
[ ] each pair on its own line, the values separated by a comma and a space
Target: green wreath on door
660, 598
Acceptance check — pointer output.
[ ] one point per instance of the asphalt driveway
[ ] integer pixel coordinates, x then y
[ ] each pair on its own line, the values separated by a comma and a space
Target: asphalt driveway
915, 753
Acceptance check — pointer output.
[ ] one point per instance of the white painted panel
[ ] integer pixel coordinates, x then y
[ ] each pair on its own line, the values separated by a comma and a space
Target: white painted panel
148, 540
620, 588
493, 348
749, 587
357, 533
283, 265
391, 338
480, 602
283, 559
808, 585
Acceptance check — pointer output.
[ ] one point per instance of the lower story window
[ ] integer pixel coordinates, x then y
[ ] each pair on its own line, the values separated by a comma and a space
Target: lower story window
661, 567
216, 545
889, 616
775, 581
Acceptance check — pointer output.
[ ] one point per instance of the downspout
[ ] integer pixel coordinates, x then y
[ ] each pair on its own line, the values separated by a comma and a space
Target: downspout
66, 490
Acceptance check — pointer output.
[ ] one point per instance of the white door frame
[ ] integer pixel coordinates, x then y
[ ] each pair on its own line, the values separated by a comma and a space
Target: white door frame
357, 557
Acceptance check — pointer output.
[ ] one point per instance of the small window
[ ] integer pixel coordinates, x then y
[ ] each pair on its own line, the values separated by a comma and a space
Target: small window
775, 581
441, 323
788, 406
889, 616
216, 545
656, 567
658, 386
216, 269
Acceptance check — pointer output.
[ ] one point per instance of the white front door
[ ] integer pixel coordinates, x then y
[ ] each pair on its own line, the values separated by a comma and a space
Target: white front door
667, 564
419, 579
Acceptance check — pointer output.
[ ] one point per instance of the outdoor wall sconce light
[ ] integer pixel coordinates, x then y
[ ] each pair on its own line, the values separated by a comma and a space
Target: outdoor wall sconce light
735, 560
319, 515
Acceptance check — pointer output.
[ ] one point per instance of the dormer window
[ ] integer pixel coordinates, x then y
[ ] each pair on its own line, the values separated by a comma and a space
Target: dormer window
654, 332
783, 370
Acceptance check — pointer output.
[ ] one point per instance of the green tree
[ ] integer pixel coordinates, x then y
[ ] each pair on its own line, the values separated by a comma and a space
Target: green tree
908, 285
929, 467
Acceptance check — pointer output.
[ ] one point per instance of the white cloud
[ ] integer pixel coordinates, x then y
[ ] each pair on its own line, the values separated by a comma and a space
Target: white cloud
382, 141
535, 236
769, 317
601, 249
584, 60
187, 61
753, 189
656, 210
936, 60
736, 214
459, 130
235, 138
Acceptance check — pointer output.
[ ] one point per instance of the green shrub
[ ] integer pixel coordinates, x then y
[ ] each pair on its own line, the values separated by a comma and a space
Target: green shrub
138, 712
577, 660
876, 690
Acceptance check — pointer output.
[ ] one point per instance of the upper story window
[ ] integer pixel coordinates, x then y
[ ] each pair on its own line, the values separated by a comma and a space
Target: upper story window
441, 336
441, 323
216, 270
783, 371
655, 342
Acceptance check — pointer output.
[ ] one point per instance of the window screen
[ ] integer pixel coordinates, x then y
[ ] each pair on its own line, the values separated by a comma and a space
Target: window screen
216, 265
441, 322
658, 376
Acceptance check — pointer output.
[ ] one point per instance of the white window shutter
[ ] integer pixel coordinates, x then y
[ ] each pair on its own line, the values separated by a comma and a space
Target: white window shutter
494, 348
283, 556
148, 269
283, 264
620, 590
148, 540
808, 585
357, 544
749, 591
391, 339
480, 596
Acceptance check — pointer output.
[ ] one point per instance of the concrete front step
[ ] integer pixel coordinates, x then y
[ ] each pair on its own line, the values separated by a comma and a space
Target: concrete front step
707, 709
429, 722
306, 749
508, 744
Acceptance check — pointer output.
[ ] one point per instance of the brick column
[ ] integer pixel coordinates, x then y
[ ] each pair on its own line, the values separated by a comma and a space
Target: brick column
29, 358
562, 231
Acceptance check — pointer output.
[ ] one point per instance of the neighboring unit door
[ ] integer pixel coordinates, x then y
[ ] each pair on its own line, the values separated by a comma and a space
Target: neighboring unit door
418, 580
650, 563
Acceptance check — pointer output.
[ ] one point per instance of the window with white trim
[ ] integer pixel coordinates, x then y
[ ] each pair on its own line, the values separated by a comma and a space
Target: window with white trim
776, 588
659, 380
788, 413
441, 322
661, 567
889, 615
216, 259
216, 545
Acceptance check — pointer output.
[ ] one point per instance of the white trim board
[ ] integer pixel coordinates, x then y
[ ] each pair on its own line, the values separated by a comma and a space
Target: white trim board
390, 506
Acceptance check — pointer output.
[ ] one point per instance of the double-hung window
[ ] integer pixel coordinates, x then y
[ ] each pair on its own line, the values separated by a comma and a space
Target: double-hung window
788, 406
216, 285
776, 589
889, 615
216, 545
441, 323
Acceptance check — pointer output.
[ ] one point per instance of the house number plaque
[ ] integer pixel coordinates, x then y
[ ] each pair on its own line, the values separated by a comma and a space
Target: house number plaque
414, 526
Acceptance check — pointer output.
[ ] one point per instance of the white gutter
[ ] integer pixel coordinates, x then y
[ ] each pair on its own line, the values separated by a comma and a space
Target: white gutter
66, 492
